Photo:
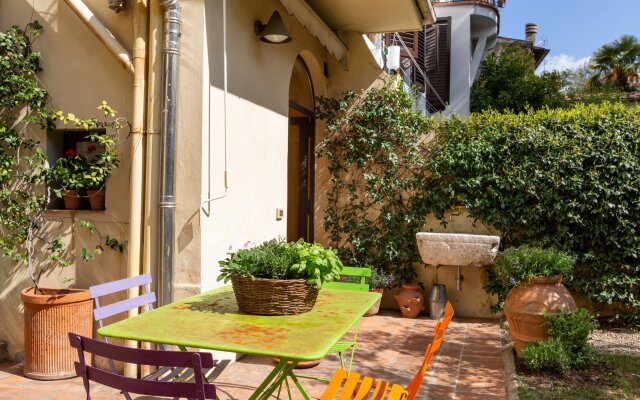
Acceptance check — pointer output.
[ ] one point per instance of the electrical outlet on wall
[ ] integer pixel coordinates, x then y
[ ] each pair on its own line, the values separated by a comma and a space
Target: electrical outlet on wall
279, 214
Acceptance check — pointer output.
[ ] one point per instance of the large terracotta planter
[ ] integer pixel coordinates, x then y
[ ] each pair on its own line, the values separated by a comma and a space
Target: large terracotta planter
526, 305
411, 300
376, 307
48, 318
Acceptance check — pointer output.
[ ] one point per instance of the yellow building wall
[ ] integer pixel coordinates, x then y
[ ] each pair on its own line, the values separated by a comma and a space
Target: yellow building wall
78, 73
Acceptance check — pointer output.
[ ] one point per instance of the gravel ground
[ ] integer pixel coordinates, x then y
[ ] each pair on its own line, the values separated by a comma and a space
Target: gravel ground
616, 342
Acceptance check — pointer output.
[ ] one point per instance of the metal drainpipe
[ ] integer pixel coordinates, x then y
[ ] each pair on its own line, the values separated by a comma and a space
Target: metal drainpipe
171, 57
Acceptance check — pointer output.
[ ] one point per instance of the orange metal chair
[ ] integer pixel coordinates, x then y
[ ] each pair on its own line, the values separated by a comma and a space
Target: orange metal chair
447, 315
344, 386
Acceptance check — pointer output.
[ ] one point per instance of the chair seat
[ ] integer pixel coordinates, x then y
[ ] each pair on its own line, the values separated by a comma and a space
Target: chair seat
344, 386
341, 346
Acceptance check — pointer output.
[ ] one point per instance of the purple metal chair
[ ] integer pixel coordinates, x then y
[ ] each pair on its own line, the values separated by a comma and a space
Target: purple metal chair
178, 360
146, 299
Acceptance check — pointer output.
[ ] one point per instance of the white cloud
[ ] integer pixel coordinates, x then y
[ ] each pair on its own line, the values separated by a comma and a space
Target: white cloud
563, 62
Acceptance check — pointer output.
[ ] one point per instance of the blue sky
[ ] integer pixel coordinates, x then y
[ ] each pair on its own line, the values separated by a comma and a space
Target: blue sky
572, 29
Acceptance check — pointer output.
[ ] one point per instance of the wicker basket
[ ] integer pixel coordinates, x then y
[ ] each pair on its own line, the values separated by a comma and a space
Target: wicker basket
273, 296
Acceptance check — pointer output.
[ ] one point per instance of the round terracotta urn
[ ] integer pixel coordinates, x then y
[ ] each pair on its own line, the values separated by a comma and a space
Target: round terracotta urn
48, 317
411, 300
526, 305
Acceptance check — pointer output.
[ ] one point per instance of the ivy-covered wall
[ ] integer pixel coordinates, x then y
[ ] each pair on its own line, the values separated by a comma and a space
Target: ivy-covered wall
566, 178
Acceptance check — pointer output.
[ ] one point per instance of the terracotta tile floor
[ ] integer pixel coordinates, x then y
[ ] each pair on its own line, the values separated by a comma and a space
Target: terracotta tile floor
469, 365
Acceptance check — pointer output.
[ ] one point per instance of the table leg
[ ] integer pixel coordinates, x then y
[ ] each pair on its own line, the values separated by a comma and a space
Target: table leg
280, 373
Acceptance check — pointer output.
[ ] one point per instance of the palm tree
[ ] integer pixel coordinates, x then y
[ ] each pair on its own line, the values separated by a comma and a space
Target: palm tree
618, 63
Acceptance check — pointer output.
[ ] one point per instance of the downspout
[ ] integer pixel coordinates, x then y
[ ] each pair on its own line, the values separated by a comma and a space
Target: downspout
171, 57
105, 36
150, 197
137, 156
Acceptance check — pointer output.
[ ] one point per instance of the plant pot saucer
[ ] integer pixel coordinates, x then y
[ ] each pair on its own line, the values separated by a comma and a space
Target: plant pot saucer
301, 364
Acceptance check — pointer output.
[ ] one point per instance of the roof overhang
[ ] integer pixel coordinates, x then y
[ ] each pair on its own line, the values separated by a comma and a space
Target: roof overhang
316, 26
374, 16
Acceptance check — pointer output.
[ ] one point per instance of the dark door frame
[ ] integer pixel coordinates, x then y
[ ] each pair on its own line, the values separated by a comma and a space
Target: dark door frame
306, 182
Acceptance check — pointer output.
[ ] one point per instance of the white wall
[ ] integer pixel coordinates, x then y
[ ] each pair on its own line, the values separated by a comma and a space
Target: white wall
257, 125
463, 66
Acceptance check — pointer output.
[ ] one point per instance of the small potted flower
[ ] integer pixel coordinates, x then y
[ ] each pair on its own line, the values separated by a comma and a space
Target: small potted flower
378, 282
534, 278
279, 278
100, 167
68, 172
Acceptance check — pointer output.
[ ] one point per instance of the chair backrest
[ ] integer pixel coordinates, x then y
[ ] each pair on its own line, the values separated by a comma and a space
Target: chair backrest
196, 360
435, 344
145, 299
447, 315
446, 318
358, 282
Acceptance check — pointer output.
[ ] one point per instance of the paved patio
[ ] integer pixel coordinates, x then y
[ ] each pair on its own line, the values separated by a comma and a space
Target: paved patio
469, 365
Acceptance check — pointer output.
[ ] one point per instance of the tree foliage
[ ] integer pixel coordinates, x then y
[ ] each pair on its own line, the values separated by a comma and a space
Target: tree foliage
508, 81
617, 63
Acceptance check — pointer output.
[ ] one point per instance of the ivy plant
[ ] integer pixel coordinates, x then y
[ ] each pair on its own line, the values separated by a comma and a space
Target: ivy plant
24, 111
562, 178
378, 160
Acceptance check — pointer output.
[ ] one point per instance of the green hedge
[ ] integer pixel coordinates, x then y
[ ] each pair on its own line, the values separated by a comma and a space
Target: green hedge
564, 178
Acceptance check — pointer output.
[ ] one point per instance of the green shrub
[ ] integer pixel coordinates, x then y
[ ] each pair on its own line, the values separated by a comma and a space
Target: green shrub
508, 81
277, 259
549, 355
562, 178
567, 347
573, 328
518, 265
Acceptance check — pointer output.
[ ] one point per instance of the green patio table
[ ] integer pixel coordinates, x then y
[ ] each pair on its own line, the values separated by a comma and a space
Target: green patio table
212, 320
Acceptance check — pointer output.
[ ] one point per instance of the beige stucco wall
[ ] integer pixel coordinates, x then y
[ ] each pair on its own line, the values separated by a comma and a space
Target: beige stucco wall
78, 72
257, 125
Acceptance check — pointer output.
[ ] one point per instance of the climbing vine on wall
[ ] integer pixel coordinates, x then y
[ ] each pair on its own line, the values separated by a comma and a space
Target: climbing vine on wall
377, 157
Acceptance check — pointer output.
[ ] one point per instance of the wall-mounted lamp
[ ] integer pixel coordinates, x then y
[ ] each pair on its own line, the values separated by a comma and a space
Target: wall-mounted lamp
274, 32
116, 5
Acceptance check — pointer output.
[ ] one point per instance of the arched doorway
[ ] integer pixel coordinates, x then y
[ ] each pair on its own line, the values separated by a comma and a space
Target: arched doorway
300, 159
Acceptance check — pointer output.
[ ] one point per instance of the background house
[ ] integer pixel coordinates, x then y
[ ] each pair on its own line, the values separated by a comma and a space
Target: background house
442, 60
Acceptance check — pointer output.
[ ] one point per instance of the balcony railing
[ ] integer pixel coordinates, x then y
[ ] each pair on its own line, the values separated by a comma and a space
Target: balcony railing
495, 3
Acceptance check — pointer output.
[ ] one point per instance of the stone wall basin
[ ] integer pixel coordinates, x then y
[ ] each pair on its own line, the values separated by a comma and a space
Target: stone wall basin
457, 249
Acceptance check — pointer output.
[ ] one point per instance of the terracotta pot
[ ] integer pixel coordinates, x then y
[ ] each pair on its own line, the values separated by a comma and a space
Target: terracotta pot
96, 199
48, 318
71, 199
376, 307
411, 300
526, 305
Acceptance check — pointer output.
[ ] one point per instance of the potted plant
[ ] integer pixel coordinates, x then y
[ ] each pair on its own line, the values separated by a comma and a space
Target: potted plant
100, 166
279, 278
378, 282
68, 172
534, 276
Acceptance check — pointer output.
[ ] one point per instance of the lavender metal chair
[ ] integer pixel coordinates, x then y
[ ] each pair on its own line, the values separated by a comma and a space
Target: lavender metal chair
146, 299
177, 360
